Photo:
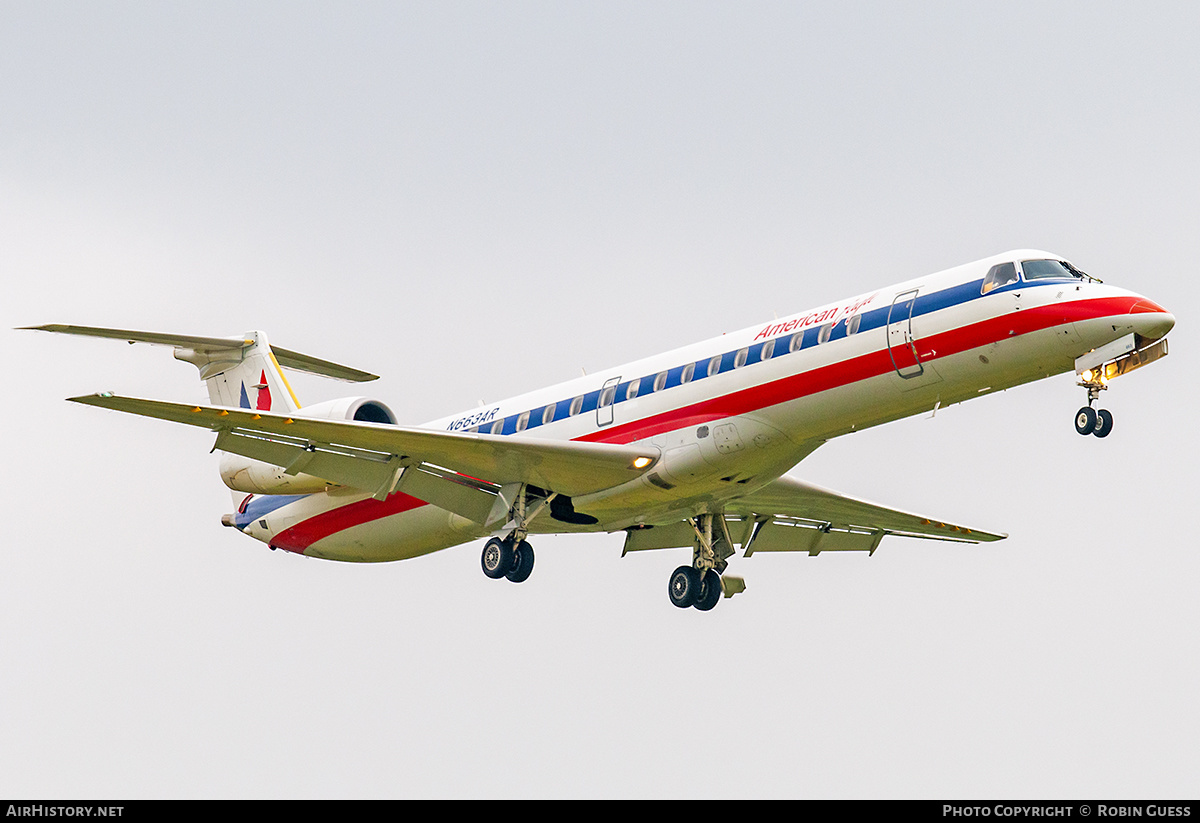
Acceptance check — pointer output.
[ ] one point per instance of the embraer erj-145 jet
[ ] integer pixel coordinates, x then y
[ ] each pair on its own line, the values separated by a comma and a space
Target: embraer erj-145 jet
684, 449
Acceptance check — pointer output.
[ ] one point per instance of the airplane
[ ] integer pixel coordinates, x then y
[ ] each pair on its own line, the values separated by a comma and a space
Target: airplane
687, 449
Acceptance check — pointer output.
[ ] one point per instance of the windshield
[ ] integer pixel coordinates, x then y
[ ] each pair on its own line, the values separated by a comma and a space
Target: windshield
1045, 270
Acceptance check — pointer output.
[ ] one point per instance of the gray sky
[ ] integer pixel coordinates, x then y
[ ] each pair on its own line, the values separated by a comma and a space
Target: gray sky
477, 199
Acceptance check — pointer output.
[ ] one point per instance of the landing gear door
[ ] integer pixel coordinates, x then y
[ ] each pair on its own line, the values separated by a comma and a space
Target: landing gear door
901, 344
608, 397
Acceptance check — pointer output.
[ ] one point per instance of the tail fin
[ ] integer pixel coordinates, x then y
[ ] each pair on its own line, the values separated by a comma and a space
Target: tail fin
240, 371
247, 376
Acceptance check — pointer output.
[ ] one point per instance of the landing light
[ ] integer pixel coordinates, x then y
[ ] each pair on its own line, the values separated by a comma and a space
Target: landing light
642, 462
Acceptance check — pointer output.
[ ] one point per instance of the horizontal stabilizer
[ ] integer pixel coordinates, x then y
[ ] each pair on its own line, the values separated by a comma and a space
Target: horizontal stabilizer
209, 345
130, 336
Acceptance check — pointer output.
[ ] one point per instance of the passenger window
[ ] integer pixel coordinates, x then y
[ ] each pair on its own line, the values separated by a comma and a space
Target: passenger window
548, 414
632, 391
768, 349
999, 275
497, 426
714, 365
852, 324
660, 381
576, 405
739, 359
522, 421
688, 371
606, 396
797, 341
823, 335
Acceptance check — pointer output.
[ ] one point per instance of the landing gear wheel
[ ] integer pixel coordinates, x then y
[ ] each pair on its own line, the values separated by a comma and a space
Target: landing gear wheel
685, 586
1085, 420
522, 565
1104, 422
710, 591
498, 558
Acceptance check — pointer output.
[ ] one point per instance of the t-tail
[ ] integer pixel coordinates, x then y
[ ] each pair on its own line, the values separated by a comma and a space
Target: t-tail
243, 372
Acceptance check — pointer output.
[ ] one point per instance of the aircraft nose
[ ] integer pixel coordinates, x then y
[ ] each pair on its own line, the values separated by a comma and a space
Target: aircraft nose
1151, 320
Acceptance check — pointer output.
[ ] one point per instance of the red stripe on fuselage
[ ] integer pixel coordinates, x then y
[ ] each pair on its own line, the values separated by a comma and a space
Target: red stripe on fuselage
993, 330
869, 365
302, 535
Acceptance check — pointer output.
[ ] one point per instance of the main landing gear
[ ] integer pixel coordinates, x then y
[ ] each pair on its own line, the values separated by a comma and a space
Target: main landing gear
511, 557
692, 587
700, 584
1089, 420
508, 558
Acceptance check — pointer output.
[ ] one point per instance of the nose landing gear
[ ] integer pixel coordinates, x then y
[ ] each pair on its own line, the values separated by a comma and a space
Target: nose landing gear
1088, 420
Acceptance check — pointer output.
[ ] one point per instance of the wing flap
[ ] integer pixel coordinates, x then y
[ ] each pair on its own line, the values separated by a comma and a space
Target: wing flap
789, 515
370, 471
377, 452
792, 537
799, 504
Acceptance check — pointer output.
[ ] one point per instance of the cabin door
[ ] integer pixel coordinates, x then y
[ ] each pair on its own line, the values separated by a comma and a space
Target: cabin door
902, 344
608, 397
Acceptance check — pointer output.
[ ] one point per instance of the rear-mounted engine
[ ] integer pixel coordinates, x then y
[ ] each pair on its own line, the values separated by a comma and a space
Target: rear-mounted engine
363, 409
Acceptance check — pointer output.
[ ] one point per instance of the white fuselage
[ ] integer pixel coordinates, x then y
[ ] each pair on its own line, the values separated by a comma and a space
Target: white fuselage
732, 413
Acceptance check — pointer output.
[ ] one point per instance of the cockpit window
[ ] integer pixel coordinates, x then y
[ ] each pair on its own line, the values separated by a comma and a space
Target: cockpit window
1044, 269
999, 275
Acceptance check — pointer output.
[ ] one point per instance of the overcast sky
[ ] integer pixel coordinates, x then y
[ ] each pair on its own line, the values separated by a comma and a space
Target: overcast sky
477, 199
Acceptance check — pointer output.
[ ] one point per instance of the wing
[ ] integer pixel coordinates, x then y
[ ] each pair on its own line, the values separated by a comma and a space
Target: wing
791, 515
373, 456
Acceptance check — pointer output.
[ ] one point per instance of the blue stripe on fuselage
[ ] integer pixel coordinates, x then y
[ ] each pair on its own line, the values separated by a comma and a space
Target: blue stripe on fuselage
261, 506
873, 319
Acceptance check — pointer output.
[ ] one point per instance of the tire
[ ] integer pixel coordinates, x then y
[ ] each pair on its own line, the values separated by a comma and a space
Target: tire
710, 591
497, 558
522, 565
684, 586
1085, 420
1104, 423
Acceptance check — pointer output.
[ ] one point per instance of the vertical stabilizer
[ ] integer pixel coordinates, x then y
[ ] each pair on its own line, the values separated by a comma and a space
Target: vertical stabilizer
248, 377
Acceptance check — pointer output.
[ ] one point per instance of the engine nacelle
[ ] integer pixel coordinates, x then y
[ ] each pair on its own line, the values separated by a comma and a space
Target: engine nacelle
243, 474
363, 409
